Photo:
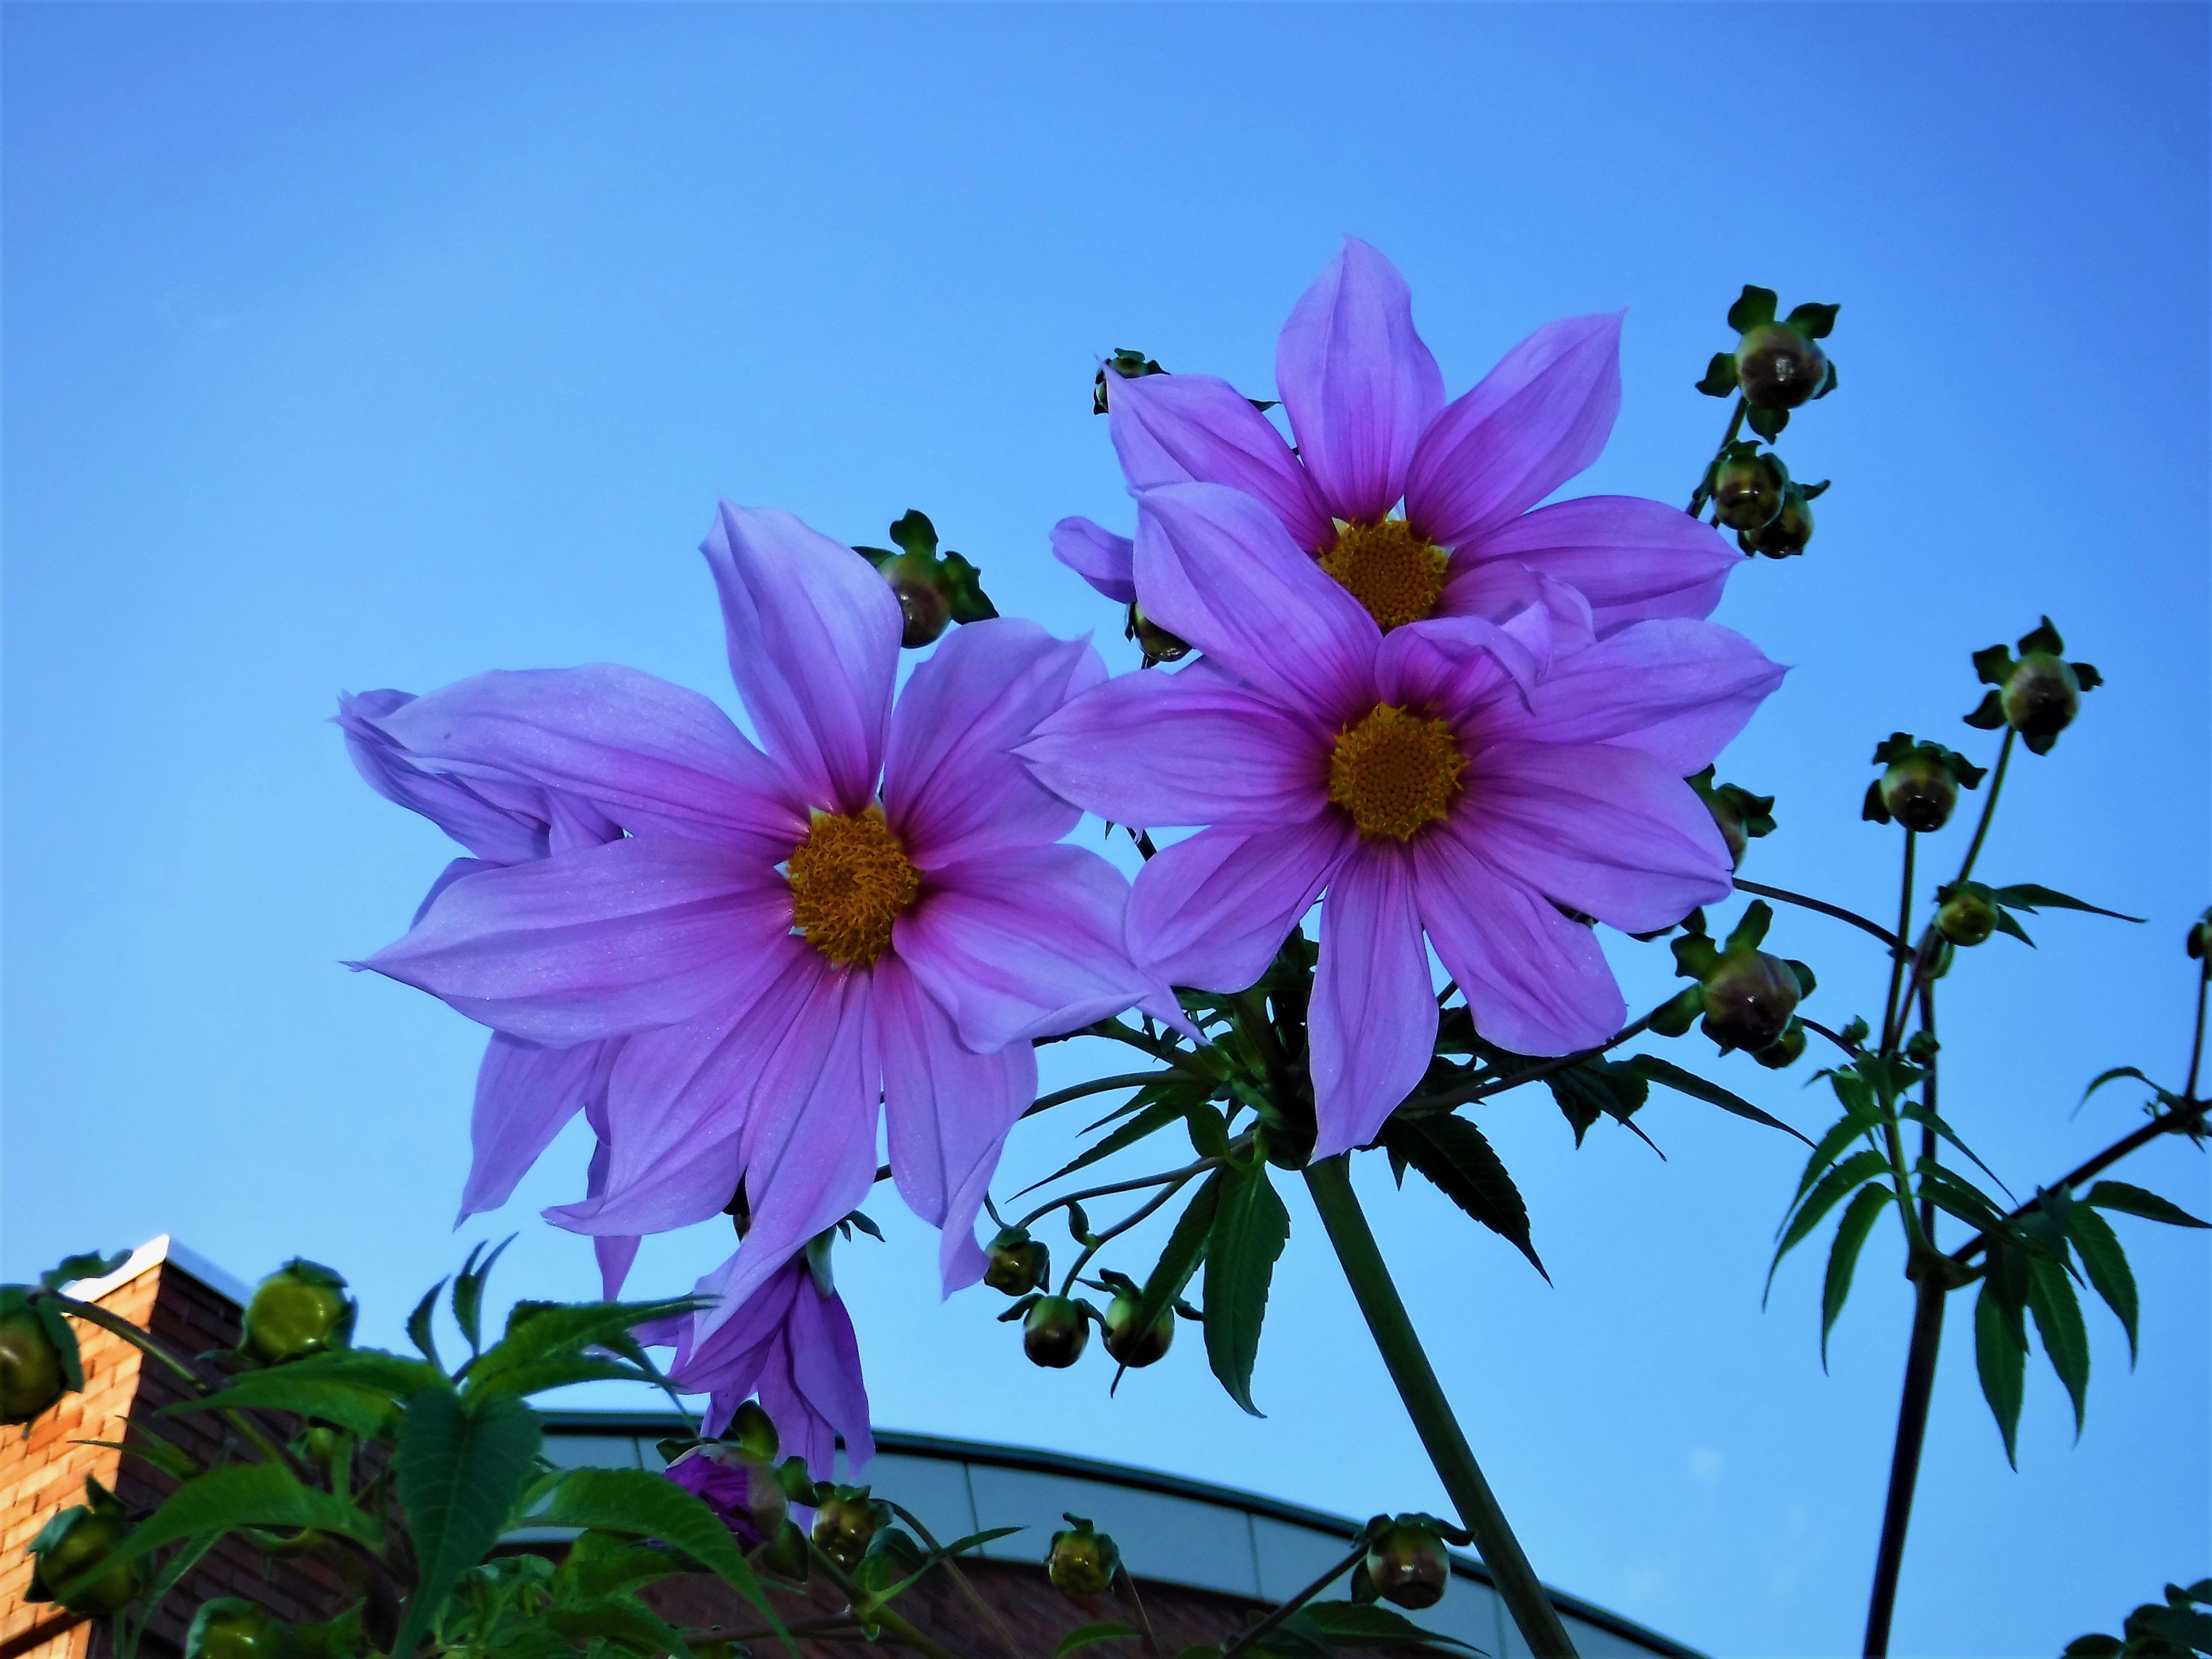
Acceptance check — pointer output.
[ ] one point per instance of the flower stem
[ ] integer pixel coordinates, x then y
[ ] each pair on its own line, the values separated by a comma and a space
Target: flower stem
1899, 956
1697, 498
1330, 1181
1989, 805
1098, 1086
1822, 906
2196, 1048
1253, 1633
1929, 1295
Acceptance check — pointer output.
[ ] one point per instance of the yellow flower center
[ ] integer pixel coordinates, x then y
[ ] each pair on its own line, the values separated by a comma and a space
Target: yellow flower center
1394, 772
1388, 568
849, 881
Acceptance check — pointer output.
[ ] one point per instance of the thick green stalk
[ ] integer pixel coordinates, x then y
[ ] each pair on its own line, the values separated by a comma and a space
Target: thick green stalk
1329, 1180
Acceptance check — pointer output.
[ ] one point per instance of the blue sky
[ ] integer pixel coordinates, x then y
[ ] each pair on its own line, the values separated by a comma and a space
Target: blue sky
350, 346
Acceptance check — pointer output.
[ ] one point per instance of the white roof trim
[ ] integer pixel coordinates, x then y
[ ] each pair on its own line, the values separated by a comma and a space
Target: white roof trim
152, 1254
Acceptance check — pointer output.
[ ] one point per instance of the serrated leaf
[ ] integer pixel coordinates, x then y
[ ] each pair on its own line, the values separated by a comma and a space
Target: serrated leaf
2002, 1359
370, 1368
459, 1466
1667, 1075
1251, 1227
646, 1505
1853, 1172
468, 1293
366, 1412
2058, 1321
1366, 1625
150, 1448
539, 1374
2107, 1264
88, 1264
1295, 1638
1179, 1260
1864, 1210
1151, 1120
1084, 1636
625, 1569
617, 1618
58, 1330
2134, 1200
418, 1326
563, 1330
1914, 1111
1955, 1196
1852, 1126
1595, 1089
1209, 1129
1458, 1160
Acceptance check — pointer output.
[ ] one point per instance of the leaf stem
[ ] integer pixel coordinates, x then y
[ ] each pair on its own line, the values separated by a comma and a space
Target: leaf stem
1482, 1087
1165, 1177
960, 1580
1253, 1634
1099, 1241
1822, 906
1098, 1086
1329, 1181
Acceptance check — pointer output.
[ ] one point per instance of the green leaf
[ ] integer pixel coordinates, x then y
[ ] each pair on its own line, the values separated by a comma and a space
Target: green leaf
1851, 1232
1957, 1197
1668, 1075
1185, 1248
1915, 1111
1594, 1089
1366, 1625
2002, 1358
366, 1412
621, 1619
58, 1330
468, 1293
2026, 896
622, 1566
2134, 1200
1753, 306
1084, 1635
539, 1374
1853, 1172
418, 1326
151, 1447
368, 1368
1455, 1157
2107, 1264
2058, 1321
1209, 1129
2008, 923
1251, 1227
460, 1467
1814, 321
563, 1330
1852, 1126
1151, 1120
653, 1506
90, 1264
1720, 375
2118, 1071
1768, 423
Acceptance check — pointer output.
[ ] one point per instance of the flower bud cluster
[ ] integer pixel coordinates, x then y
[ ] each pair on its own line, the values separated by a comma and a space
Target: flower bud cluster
1748, 998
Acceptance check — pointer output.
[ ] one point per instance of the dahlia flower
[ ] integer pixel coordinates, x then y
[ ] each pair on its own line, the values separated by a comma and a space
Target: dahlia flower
868, 909
1409, 777
1366, 404
726, 1488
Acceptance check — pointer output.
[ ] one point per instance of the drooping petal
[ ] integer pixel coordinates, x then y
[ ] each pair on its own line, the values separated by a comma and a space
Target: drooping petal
1373, 1022
596, 942
1153, 750
825, 1375
526, 1094
1022, 943
1677, 690
814, 644
614, 1254
490, 831
1098, 555
613, 736
1607, 831
1184, 428
1215, 567
1211, 912
1537, 420
1537, 982
947, 1112
730, 1363
1547, 617
953, 787
1631, 559
1357, 382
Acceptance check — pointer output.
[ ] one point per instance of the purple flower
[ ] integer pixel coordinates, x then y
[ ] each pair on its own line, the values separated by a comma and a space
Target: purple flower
784, 950
1367, 403
1410, 777
726, 1488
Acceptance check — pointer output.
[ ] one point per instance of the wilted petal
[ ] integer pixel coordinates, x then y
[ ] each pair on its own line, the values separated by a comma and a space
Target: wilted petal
1022, 943
1184, 428
1153, 749
1538, 418
490, 831
1211, 912
1608, 831
596, 943
1217, 569
1536, 981
814, 644
1098, 555
952, 785
526, 1094
947, 1112
1357, 382
1373, 1022
824, 1377
1631, 558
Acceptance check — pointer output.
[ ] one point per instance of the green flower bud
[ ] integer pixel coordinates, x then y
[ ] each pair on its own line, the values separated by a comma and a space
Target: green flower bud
1785, 1050
752, 1433
933, 589
1748, 487
2042, 697
1749, 997
1016, 1263
1408, 1565
785, 1553
1055, 1332
299, 1310
1741, 815
1123, 365
33, 1375
76, 1542
1129, 1345
1921, 787
892, 1556
1966, 918
1779, 367
1788, 532
230, 1628
845, 1522
1082, 1560
1155, 641
2199, 942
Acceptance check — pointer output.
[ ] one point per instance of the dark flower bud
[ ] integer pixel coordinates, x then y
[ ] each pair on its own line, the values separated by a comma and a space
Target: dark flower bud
230, 1628
1123, 365
1777, 367
753, 1433
1966, 918
2200, 938
74, 1543
1741, 815
1921, 788
933, 589
1785, 1050
785, 1553
1789, 531
1156, 643
1749, 997
1082, 1560
299, 1310
2038, 696
1408, 1565
891, 1558
845, 1522
1134, 1347
1055, 1332
1748, 487
33, 1374
1016, 1263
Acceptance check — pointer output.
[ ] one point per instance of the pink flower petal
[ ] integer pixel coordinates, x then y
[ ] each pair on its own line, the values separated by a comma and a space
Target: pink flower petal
1153, 749
596, 942
1609, 831
814, 644
1184, 429
1023, 943
1098, 555
1211, 912
1631, 558
952, 785
1357, 382
1373, 1022
1537, 982
1537, 419
526, 1094
1217, 569
947, 1112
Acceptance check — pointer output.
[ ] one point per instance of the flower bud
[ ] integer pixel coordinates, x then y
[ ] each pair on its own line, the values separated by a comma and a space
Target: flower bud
1748, 487
1129, 1345
76, 1542
933, 589
1966, 918
1749, 997
1779, 367
785, 1553
32, 1376
845, 1524
752, 1432
1788, 532
1082, 1560
230, 1628
1408, 1565
892, 1556
1785, 1050
1155, 641
299, 1310
2199, 944
2042, 697
1741, 815
1921, 788
1016, 1263
1055, 1332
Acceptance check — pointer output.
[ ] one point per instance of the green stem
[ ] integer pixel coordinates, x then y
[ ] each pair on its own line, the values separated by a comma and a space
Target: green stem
1699, 497
1822, 906
1482, 1087
1252, 1635
1098, 1086
1900, 957
1989, 805
1099, 1241
893, 1623
2196, 1048
1330, 1182
1166, 1177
